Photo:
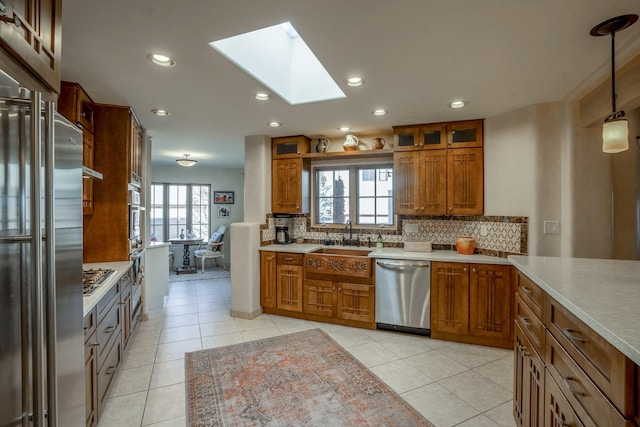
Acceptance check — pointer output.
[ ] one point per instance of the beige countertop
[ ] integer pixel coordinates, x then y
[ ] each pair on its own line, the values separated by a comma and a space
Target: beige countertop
604, 294
393, 253
120, 267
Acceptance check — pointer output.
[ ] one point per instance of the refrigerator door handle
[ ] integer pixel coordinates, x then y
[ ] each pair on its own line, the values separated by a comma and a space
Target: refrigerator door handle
36, 257
50, 262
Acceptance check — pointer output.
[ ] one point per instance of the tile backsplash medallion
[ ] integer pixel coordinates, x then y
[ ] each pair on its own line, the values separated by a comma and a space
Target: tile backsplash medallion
495, 235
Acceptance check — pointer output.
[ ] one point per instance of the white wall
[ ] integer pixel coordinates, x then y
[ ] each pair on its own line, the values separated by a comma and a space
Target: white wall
221, 179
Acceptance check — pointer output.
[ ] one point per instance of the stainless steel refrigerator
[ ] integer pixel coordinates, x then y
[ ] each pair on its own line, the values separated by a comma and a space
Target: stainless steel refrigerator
41, 332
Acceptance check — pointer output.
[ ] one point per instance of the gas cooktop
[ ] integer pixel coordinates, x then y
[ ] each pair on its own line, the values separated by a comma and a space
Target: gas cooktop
93, 278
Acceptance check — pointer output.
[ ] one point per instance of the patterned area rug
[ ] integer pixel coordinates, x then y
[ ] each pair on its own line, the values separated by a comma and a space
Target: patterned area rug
209, 273
300, 379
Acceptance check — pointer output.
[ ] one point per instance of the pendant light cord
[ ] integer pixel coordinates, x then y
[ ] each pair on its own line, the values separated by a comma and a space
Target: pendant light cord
613, 70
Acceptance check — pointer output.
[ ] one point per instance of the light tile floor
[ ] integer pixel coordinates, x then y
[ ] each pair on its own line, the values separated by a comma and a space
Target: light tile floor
451, 384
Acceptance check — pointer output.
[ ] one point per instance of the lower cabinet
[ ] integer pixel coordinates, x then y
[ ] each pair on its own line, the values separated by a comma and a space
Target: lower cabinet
472, 303
529, 381
108, 328
346, 301
286, 289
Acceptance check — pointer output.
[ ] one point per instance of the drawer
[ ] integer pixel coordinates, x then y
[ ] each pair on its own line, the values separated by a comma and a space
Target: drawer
108, 329
531, 294
559, 412
104, 305
289, 259
108, 372
607, 367
584, 397
531, 325
89, 324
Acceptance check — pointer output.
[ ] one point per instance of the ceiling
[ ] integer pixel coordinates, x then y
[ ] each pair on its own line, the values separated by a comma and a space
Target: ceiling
415, 56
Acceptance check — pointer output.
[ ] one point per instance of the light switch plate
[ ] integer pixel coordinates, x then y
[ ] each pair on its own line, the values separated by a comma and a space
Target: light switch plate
483, 230
551, 227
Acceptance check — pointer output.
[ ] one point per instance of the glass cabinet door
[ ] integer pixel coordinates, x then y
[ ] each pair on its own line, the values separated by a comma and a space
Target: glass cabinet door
406, 138
434, 136
465, 134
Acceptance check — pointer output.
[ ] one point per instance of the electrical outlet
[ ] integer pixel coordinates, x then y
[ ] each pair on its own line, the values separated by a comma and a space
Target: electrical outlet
483, 230
551, 227
411, 228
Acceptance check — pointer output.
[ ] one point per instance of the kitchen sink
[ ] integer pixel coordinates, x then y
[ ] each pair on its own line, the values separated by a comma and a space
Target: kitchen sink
339, 263
342, 251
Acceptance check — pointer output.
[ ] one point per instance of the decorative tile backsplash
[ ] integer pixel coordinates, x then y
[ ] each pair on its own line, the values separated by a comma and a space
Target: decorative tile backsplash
495, 235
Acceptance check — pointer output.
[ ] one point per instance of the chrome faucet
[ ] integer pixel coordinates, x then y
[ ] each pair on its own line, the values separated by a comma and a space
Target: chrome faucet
348, 224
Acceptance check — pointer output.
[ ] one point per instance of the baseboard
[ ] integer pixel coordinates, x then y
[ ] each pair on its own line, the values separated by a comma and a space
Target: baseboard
248, 316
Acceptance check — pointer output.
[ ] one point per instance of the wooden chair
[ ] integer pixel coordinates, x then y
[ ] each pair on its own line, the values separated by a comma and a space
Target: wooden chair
213, 248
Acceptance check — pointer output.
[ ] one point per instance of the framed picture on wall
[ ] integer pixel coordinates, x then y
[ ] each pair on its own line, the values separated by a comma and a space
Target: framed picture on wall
223, 197
224, 211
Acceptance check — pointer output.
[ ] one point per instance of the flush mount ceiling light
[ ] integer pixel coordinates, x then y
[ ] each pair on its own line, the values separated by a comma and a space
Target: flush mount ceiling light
186, 161
615, 130
354, 81
279, 58
262, 96
275, 124
162, 60
161, 113
344, 129
379, 112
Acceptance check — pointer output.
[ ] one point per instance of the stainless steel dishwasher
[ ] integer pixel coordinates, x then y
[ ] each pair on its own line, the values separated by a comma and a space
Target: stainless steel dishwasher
403, 295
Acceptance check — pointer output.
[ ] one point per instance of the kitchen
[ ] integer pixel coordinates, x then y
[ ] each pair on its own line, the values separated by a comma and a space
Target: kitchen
550, 170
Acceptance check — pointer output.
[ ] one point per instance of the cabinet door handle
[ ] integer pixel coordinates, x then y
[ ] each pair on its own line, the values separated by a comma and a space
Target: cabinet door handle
573, 391
110, 370
109, 329
473, 269
464, 269
568, 332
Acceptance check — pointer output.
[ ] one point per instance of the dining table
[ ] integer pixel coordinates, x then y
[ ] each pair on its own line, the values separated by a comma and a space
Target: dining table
186, 267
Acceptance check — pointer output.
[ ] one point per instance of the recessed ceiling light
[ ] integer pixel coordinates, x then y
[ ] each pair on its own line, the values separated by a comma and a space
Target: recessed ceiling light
162, 60
344, 129
457, 104
355, 81
379, 112
160, 112
262, 96
275, 124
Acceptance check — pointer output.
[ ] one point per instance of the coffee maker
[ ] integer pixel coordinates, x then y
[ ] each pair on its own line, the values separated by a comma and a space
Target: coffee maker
282, 231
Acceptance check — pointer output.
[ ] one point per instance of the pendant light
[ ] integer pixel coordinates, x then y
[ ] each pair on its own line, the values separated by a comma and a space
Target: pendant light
186, 161
615, 130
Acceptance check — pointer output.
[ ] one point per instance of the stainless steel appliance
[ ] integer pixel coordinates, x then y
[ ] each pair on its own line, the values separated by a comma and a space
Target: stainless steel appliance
282, 230
135, 212
403, 295
93, 278
42, 345
137, 269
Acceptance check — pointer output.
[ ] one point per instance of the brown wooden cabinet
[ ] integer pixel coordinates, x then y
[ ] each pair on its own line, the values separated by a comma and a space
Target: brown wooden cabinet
439, 169
320, 297
136, 155
472, 303
268, 279
580, 377
420, 181
290, 186
36, 42
286, 147
90, 369
449, 298
289, 277
106, 232
77, 106
465, 181
356, 302
125, 311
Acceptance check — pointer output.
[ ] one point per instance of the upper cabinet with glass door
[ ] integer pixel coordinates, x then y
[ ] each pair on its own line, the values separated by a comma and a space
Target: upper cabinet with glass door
465, 134
420, 137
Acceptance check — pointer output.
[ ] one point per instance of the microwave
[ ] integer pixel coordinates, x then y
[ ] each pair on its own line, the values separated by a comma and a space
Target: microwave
135, 212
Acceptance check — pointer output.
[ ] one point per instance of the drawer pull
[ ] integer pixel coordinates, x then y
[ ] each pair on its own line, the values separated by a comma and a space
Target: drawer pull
573, 391
110, 370
568, 332
527, 290
109, 329
526, 322
288, 259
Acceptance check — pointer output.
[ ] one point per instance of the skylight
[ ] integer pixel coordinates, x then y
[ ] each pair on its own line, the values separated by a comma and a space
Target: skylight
279, 58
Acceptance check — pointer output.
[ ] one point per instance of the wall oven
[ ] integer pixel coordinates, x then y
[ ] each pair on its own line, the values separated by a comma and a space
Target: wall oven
135, 212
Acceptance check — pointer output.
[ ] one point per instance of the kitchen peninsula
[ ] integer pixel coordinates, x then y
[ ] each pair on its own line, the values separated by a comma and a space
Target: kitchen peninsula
577, 344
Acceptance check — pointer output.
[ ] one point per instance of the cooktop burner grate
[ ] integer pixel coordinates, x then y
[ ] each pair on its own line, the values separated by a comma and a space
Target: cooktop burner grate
93, 278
